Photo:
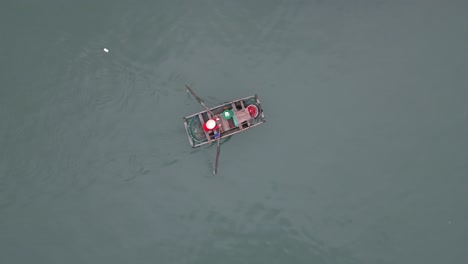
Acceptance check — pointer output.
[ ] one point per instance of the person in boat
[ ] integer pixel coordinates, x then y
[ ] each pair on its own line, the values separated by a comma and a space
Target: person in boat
211, 125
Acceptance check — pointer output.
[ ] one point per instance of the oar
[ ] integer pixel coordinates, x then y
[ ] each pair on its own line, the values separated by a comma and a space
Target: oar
219, 130
217, 152
198, 99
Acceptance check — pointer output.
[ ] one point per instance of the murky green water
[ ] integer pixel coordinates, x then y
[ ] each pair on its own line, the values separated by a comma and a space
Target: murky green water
363, 158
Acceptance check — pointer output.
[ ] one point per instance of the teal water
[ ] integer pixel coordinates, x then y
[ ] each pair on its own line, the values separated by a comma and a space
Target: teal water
363, 158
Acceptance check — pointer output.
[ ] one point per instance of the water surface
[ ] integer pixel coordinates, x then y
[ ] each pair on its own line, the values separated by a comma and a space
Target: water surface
362, 159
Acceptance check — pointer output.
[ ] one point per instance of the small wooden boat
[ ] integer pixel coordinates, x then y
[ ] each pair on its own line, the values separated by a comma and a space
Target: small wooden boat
227, 119
231, 118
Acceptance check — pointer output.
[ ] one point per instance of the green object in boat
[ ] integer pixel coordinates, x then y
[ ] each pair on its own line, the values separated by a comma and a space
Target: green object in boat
235, 121
228, 114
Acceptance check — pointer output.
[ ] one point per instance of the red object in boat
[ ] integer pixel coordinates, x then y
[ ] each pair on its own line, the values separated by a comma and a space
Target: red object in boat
210, 125
253, 110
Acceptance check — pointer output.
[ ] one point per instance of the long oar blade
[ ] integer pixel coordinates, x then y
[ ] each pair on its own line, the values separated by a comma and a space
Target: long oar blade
218, 149
198, 99
219, 131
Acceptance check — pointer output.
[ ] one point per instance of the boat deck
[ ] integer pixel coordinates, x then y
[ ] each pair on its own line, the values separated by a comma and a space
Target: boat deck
239, 122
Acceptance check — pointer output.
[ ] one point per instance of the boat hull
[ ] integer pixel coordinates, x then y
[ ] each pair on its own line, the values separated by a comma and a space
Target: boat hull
197, 136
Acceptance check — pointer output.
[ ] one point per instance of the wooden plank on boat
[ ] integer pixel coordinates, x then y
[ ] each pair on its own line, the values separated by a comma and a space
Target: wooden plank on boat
206, 133
234, 110
243, 107
224, 124
242, 116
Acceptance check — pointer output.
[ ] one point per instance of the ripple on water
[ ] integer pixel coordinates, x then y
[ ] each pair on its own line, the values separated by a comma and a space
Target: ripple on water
105, 88
62, 142
102, 80
101, 101
90, 109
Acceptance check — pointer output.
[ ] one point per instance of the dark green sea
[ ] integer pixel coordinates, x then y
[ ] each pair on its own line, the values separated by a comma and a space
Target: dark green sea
363, 158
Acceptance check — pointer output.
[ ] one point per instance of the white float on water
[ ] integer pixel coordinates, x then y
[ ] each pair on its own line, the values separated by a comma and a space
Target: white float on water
106, 50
